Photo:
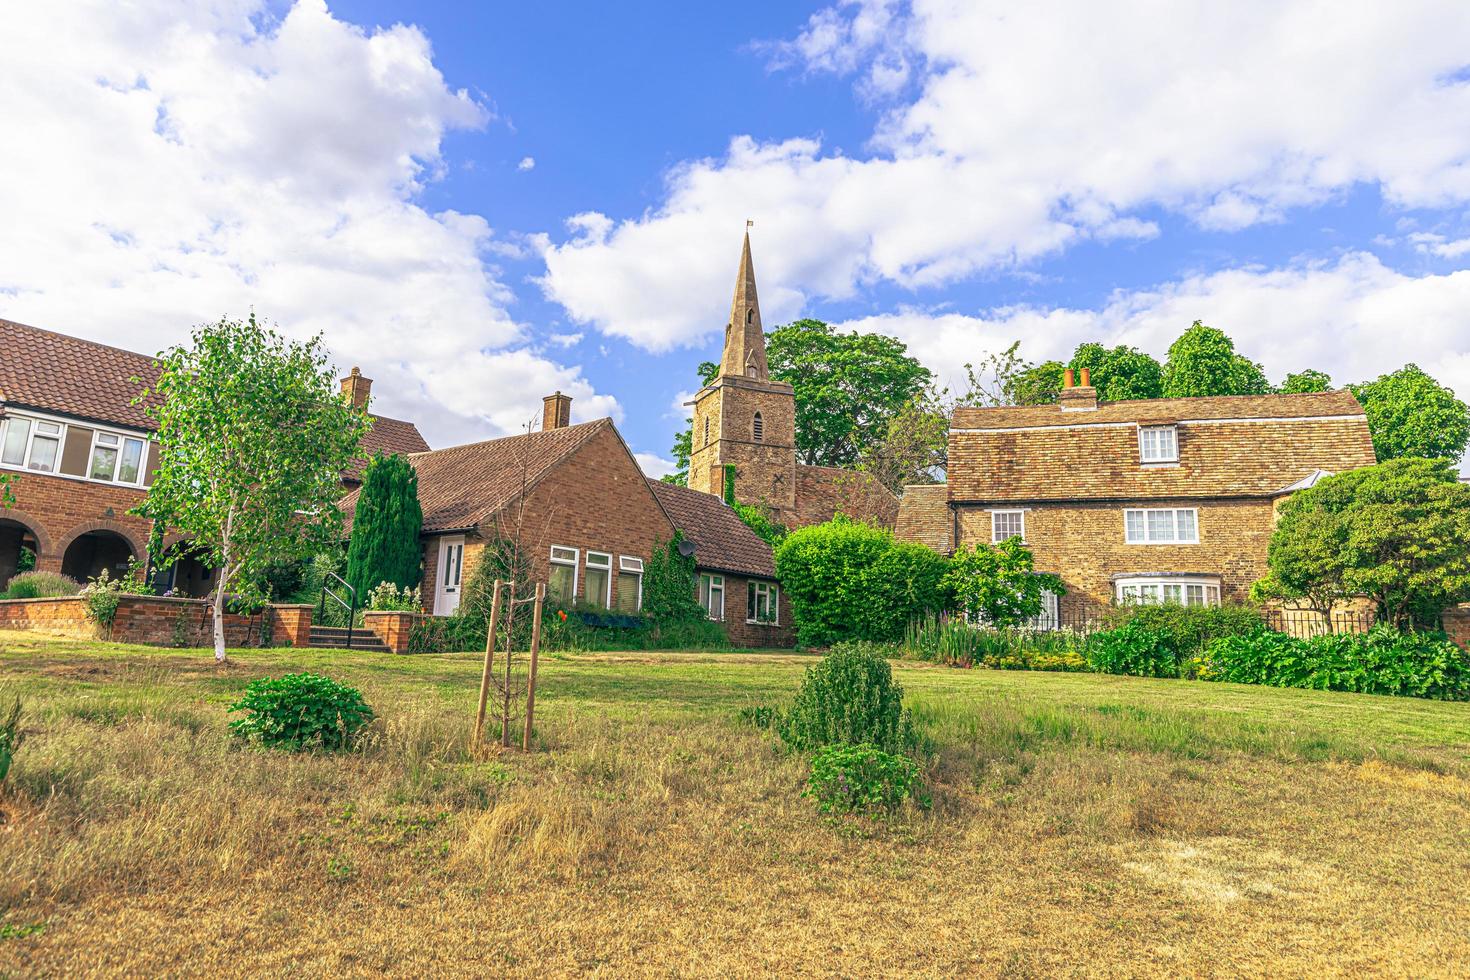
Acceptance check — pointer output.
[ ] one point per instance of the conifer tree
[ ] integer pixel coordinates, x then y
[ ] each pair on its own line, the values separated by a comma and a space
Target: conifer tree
385, 528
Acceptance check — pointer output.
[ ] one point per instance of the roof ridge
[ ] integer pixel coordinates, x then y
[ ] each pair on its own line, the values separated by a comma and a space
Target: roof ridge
586, 427
78, 340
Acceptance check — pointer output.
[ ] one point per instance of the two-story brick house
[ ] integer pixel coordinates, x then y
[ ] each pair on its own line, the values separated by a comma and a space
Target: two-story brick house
1169, 499
84, 455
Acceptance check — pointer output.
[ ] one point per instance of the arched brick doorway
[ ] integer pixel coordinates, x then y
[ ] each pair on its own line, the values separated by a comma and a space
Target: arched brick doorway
19, 548
92, 551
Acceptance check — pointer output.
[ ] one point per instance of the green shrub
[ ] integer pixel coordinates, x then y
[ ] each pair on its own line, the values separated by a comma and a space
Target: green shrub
388, 597
41, 585
851, 581
1381, 661
849, 698
761, 716
1065, 661
1133, 649
1190, 629
25, 561
103, 594
959, 644
860, 779
301, 711
10, 738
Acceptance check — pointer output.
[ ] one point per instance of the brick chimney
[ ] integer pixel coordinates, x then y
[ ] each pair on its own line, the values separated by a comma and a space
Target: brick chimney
556, 412
357, 388
1075, 397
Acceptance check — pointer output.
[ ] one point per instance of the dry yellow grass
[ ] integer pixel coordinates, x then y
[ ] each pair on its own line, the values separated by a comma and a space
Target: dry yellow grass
1080, 826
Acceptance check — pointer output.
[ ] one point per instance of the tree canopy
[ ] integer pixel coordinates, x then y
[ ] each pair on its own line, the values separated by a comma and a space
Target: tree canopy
996, 583
385, 527
1120, 373
848, 386
1398, 532
1203, 362
253, 436
1411, 414
1305, 383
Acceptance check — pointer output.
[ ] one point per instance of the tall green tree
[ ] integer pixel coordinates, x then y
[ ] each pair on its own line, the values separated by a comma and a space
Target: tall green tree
253, 437
997, 583
385, 527
1120, 373
848, 386
1203, 362
1398, 532
1411, 414
1305, 383
684, 441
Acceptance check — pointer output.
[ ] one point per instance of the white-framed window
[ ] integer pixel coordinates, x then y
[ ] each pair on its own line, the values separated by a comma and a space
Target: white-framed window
763, 603
630, 584
712, 596
115, 458
562, 580
1161, 525
1050, 617
1158, 444
1007, 524
598, 590
1181, 590
34, 444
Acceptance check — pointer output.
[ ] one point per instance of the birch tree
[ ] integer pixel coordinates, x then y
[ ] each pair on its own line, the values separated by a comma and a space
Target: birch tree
253, 437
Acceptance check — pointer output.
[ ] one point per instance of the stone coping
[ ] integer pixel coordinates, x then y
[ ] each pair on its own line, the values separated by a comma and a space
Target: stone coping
175, 599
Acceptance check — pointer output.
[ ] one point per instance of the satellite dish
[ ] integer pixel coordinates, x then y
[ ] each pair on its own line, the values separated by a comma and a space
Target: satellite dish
686, 548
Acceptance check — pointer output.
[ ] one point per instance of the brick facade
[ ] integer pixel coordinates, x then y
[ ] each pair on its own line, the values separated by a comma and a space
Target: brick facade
55, 511
393, 628
159, 621
755, 635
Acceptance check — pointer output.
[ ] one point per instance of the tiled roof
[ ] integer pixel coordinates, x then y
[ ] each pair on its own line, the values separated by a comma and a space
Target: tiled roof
924, 516
722, 542
1230, 446
822, 491
465, 486
387, 436
70, 376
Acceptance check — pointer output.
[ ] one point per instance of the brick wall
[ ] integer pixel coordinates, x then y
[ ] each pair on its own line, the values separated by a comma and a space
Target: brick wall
1457, 624
158, 621
58, 510
1085, 545
744, 634
393, 628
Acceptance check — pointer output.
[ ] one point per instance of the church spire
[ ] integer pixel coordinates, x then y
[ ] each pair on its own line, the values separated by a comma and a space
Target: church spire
745, 341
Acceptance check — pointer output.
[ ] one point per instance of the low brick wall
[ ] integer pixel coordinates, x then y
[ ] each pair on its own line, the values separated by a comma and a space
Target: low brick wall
159, 621
1457, 624
392, 628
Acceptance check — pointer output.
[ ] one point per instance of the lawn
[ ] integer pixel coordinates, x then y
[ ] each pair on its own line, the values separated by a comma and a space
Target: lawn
1080, 825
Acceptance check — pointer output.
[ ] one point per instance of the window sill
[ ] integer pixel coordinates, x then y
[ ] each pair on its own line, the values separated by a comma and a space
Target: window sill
756, 622
1160, 464
1157, 544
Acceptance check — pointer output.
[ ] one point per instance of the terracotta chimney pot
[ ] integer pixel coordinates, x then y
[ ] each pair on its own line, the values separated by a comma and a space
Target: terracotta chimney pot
1068, 379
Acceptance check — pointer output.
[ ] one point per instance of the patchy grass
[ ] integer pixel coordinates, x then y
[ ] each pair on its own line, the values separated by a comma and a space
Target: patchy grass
1080, 825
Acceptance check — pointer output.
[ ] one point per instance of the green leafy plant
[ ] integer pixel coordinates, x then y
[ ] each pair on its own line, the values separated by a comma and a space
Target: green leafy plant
11, 737
1190, 629
25, 561
1411, 414
1381, 661
761, 716
996, 583
387, 597
860, 779
849, 698
1136, 649
102, 595
300, 712
41, 585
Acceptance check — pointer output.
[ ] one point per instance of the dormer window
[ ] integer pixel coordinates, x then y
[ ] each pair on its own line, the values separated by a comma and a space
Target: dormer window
1158, 444
758, 428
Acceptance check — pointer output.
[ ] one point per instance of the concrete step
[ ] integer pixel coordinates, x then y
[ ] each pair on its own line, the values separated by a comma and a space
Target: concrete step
369, 645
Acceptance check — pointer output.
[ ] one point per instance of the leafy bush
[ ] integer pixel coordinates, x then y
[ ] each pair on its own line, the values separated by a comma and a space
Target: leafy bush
959, 644
1190, 629
25, 561
849, 698
1381, 661
103, 594
41, 585
995, 583
388, 597
851, 581
759, 520
860, 779
301, 711
1134, 648
10, 738
761, 716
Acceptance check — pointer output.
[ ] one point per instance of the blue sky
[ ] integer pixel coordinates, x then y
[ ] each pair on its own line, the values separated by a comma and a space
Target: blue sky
481, 202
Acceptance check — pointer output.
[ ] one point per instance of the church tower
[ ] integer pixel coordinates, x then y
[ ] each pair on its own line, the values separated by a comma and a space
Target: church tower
742, 417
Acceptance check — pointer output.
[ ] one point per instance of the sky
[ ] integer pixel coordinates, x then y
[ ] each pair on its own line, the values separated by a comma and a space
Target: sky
482, 203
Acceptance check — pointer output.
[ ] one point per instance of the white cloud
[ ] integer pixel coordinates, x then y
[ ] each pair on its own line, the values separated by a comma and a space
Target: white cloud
173, 162
1430, 243
527, 163
1028, 128
653, 465
1363, 319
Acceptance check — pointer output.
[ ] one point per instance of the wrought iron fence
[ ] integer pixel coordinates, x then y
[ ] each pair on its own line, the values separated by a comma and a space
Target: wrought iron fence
1306, 623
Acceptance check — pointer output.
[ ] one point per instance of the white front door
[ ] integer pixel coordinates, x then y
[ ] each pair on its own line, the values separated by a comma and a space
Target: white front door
451, 570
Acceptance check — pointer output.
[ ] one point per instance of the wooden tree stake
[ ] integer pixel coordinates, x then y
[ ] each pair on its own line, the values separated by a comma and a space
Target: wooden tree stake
510, 621
489, 663
531, 676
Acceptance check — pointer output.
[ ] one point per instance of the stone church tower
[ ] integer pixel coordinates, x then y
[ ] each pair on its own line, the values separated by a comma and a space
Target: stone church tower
742, 417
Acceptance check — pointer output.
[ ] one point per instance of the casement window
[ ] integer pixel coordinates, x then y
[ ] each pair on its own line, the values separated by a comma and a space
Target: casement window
630, 584
32, 443
115, 458
712, 596
762, 603
1006, 524
1158, 444
598, 591
562, 584
1183, 591
1161, 525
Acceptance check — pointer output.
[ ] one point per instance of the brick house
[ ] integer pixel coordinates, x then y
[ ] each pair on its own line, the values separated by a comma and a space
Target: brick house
746, 420
575, 500
1168, 499
84, 455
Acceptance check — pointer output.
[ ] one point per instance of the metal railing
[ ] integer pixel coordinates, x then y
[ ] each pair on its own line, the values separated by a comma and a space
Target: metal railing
351, 606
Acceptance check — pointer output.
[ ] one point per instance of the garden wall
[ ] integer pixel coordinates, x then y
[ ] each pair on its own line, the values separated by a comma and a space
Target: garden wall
159, 621
1457, 624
